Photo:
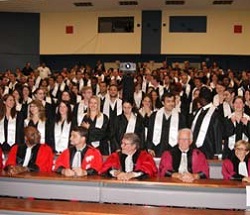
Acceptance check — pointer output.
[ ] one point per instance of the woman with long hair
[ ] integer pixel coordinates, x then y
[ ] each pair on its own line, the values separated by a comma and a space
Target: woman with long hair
97, 124
37, 119
11, 123
62, 127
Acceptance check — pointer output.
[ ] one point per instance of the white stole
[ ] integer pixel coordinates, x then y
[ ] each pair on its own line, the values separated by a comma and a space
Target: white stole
106, 106
77, 160
129, 165
80, 112
131, 124
11, 131
231, 139
27, 156
243, 169
173, 130
62, 135
183, 168
226, 109
204, 125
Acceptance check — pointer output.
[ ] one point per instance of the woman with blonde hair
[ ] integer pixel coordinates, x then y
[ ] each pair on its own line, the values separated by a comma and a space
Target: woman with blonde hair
237, 167
97, 124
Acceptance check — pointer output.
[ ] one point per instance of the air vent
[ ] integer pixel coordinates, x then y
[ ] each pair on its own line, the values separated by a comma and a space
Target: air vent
83, 4
126, 3
174, 2
228, 2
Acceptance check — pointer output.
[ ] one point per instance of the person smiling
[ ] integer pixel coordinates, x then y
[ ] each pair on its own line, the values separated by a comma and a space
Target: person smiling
237, 167
130, 162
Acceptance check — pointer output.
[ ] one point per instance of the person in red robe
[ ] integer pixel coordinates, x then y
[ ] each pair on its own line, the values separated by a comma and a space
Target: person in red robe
31, 156
184, 162
237, 167
130, 162
80, 159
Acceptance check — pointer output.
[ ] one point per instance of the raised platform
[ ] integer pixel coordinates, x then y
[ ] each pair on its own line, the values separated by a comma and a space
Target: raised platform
210, 193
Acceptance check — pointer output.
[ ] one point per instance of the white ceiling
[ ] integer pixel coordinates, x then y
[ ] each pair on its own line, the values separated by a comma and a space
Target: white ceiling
37, 6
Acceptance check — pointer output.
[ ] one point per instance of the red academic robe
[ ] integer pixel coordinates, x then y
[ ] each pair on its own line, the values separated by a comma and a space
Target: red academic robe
43, 160
230, 169
92, 159
144, 163
198, 160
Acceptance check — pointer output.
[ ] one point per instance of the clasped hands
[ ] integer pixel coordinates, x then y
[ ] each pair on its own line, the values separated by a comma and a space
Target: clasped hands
185, 177
74, 172
123, 176
15, 170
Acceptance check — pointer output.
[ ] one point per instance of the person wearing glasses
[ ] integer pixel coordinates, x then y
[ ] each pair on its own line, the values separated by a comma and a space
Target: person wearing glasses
237, 167
184, 162
130, 162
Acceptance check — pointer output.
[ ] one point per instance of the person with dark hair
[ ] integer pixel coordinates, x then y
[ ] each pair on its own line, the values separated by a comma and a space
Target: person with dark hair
237, 167
130, 162
31, 156
163, 127
11, 123
207, 126
184, 162
62, 127
128, 122
79, 159
236, 127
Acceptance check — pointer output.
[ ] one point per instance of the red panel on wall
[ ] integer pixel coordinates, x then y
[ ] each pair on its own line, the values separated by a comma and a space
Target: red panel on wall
237, 29
69, 29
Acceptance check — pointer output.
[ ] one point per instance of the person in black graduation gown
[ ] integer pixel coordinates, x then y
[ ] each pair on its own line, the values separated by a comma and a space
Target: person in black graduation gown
207, 126
97, 125
236, 127
11, 123
128, 122
163, 127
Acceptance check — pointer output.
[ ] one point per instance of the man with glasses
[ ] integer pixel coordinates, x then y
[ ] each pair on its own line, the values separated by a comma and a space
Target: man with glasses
183, 162
131, 162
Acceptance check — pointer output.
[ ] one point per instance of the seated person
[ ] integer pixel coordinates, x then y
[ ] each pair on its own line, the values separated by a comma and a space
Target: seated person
80, 159
237, 167
31, 156
131, 162
184, 162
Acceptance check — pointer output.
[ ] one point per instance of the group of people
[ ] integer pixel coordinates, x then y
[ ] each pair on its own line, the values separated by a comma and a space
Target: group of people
212, 103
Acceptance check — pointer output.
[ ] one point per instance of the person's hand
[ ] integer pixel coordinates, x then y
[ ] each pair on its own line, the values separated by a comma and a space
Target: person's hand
244, 120
152, 152
85, 125
68, 172
176, 175
14, 170
188, 177
233, 119
125, 176
79, 171
246, 179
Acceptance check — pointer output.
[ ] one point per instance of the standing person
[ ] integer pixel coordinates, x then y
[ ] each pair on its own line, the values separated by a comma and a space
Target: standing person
236, 127
237, 167
62, 127
131, 162
31, 156
184, 162
11, 123
82, 107
97, 125
207, 126
80, 159
162, 123
37, 119
44, 71
128, 122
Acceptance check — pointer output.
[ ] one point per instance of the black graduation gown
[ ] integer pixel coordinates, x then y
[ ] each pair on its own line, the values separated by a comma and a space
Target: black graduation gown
213, 140
164, 142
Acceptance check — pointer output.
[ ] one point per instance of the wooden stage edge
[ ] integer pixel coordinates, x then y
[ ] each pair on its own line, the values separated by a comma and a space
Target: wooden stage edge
28, 206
